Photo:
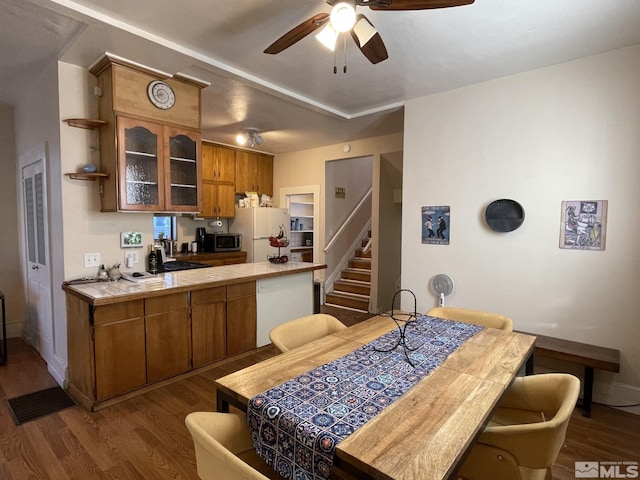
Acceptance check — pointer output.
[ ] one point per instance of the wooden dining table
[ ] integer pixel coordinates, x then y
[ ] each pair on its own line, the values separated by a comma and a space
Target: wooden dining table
424, 434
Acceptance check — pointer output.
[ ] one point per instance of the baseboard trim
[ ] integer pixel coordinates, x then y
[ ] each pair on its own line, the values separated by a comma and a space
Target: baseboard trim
616, 394
612, 394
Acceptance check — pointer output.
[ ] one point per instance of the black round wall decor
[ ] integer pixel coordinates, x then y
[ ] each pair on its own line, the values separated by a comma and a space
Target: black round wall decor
504, 215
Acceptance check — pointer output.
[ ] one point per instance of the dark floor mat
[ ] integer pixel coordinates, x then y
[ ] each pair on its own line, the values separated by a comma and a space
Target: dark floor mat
38, 404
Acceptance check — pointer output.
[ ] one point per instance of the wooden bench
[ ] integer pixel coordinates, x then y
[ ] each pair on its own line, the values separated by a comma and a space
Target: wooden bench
589, 356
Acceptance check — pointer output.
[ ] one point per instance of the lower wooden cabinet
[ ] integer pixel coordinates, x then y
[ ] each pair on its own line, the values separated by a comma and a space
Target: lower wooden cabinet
241, 317
208, 325
119, 357
168, 336
119, 348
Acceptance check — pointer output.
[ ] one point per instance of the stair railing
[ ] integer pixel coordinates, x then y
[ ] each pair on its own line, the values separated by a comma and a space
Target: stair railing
367, 247
347, 222
334, 268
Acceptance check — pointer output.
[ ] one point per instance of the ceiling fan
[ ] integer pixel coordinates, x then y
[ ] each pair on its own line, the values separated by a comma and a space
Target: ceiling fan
343, 18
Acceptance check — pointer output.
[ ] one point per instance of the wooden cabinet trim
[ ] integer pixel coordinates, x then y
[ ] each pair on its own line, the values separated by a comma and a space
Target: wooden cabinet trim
115, 312
209, 295
166, 303
130, 96
239, 290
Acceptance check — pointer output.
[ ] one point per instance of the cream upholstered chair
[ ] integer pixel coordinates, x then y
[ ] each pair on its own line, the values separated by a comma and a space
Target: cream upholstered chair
300, 331
224, 449
466, 315
526, 433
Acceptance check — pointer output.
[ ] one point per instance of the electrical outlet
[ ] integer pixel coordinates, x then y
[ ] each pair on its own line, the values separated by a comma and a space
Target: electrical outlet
131, 258
91, 260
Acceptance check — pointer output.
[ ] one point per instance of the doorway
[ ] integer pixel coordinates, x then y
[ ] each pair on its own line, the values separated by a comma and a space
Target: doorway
39, 318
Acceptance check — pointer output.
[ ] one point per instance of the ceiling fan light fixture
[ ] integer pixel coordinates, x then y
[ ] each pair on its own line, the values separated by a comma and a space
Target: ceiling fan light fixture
364, 31
343, 17
242, 138
250, 137
328, 36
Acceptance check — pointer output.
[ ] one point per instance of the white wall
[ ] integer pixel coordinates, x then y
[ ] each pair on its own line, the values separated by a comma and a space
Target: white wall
567, 132
86, 229
10, 280
307, 167
36, 120
355, 176
390, 235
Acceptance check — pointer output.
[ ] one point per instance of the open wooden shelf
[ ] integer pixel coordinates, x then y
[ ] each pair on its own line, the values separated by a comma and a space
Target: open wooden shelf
87, 123
87, 176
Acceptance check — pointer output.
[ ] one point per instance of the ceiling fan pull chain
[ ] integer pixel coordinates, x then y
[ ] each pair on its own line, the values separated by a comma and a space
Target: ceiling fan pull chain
344, 46
335, 62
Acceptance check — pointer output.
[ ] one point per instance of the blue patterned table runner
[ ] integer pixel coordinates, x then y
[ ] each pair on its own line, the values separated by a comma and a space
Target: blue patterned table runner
296, 425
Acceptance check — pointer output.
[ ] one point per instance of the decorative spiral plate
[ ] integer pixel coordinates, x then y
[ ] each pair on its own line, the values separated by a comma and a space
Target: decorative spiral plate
161, 94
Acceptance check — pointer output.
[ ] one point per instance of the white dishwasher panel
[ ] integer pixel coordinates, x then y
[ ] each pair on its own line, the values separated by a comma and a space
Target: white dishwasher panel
280, 299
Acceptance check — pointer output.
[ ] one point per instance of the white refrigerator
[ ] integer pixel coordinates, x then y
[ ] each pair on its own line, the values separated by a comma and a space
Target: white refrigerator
256, 225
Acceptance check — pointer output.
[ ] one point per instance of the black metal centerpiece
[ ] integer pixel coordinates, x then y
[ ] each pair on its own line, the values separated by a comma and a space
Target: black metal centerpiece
402, 320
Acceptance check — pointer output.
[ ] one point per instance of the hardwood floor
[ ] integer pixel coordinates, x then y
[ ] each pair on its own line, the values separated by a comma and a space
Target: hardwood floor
145, 437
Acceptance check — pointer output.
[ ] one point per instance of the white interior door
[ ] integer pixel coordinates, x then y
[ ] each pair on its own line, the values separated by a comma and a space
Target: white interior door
39, 328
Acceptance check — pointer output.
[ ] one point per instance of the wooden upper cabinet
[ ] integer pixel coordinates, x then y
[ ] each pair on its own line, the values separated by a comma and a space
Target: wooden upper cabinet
183, 170
218, 185
126, 91
218, 200
157, 169
264, 174
151, 144
254, 172
218, 163
140, 163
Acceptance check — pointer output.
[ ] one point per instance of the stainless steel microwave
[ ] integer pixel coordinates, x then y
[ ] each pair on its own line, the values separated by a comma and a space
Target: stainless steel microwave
222, 242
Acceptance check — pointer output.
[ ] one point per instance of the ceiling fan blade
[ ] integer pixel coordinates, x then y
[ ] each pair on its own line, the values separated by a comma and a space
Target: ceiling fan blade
368, 40
420, 4
297, 33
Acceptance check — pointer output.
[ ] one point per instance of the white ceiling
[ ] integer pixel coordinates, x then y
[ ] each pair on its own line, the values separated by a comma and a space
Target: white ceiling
294, 97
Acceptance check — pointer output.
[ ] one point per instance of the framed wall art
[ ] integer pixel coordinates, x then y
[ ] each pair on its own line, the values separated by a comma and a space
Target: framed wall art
436, 225
131, 240
583, 225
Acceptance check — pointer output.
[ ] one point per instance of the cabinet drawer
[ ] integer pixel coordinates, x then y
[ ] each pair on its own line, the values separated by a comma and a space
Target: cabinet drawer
208, 295
241, 290
118, 311
166, 303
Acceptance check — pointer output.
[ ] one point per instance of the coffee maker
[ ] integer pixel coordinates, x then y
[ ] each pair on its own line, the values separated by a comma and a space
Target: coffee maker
200, 233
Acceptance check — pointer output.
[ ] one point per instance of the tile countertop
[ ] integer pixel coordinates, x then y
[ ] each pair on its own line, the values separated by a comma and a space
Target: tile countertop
104, 293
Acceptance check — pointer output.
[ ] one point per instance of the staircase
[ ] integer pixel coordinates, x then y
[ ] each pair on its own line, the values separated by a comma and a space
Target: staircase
353, 289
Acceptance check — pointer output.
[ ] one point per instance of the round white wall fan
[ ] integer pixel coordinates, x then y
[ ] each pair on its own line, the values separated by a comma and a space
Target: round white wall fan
443, 285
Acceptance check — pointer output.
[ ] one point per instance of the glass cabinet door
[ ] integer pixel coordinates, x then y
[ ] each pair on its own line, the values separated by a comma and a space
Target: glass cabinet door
184, 168
141, 169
